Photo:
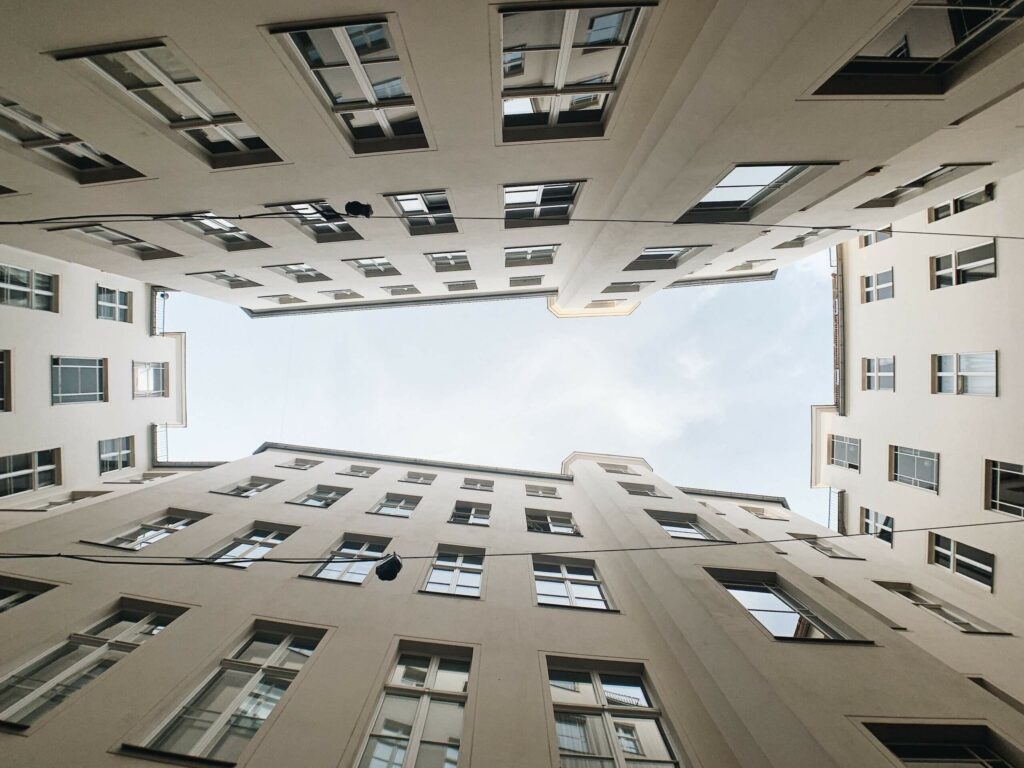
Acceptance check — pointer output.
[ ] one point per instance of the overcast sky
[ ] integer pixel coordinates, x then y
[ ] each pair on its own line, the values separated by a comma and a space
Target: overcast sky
712, 385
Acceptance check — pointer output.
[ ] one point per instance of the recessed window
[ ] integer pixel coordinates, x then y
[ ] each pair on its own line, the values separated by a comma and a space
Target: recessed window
15, 591
321, 496
358, 470
877, 287
477, 484
86, 163
401, 290
226, 279
145, 477
160, 80
878, 236
299, 463
543, 491
28, 288
358, 73
777, 609
911, 466
525, 282
420, 478
530, 256
396, 505
617, 469
573, 60
544, 521
936, 177
741, 190
809, 237
920, 51
461, 285
449, 261
300, 273
681, 525
1005, 482
456, 572
283, 298
120, 241
78, 380
844, 451
967, 561
879, 373
112, 304
948, 613
23, 472
962, 203
155, 529
318, 220
962, 267
571, 583
228, 236
634, 286
944, 743
471, 513
642, 489
353, 559
971, 373
255, 544
878, 524
149, 379
220, 719
664, 257
249, 487
116, 454
6, 402
531, 205
765, 513
341, 294
377, 266
424, 213
826, 546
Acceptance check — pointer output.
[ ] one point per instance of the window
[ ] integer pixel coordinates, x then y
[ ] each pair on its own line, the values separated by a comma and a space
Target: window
145, 477
826, 546
681, 525
572, 583
396, 505
543, 491
283, 298
936, 177
617, 469
575, 59
120, 241
53, 502
424, 213
919, 51
420, 717
664, 257
341, 294
226, 279
525, 282
401, 290
879, 373
462, 285
530, 256
877, 287
533, 205
318, 220
962, 267
877, 524
964, 374
321, 496
24, 472
936, 607
299, 463
962, 203
220, 719
118, 453
957, 746
778, 611
639, 489
5, 380
804, 239
357, 71
78, 380
112, 304
844, 452
542, 521
149, 379
144, 534
227, 235
421, 478
40, 686
28, 288
476, 484
300, 273
158, 79
1005, 483
741, 190
456, 572
449, 261
471, 513
765, 513
253, 545
975, 564
914, 467
606, 719
15, 591
357, 470
86, 163
870, 238
375, 267
353, 559
634, 286
248, 487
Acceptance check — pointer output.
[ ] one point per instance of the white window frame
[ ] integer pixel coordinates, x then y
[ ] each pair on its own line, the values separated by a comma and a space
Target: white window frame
359, 470
354, 553
299, 272
34, 470
678, 525
794, 605
147, 374
895, 451
568, 580
224, 278
449, 261
249, 487
397, 502
960, 375
474, 512
455, 564
530, 255
31, 290
878, 525
320, 496
617, 469
319, 220
123, 453
477, 484
874, 378
300, 463
419, 478
956, 271
643, 489
994, 470
421, 216
6, 404
530, 197
250, 542
154, 530
542, 491
92, 363
121, 305
848, 442
551, 521
957, 560
941, 610
871, 285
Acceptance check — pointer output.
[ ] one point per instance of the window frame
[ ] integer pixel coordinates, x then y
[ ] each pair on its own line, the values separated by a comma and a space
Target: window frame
849, 442
873, 378
318, 219
34, 469
959, 377
123, 453
148, 369
567, 580
121, 305
256, 484
960, 620
476, 513
436, 220
456, 568
895, 451
872, 285
152, 525
30, 289
956, 272
993, 471
878, 525
938, 551
537, 518
56, 366
544, 256
6, 379
324, 496
351, 558
397, 501
276, 534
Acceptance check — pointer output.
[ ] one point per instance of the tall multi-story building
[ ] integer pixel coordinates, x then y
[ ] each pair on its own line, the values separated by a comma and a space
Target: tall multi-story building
85, 370
588, 154
924, 431
594, 616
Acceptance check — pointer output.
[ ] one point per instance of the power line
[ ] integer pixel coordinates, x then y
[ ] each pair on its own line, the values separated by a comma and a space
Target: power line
190, 561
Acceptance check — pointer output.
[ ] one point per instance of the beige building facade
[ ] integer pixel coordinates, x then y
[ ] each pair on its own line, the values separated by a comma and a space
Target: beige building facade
593, 616
588, 155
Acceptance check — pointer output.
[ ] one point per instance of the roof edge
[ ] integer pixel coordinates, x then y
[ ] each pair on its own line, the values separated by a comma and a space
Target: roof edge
734, 495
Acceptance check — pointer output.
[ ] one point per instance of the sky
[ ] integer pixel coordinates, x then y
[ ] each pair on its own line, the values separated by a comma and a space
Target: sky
712, 385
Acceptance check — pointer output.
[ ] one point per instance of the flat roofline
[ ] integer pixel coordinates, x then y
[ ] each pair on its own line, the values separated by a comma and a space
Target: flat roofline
347, 306
379, 457
733, 495
756, 277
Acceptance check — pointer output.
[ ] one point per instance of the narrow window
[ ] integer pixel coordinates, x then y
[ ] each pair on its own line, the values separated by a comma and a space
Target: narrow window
299, 463
424, 213
962, 267
112, 304
53, 502
826, 546
396, 505
283, 298
116, 454
530, 256
253, 545
971, 373
743, 189
640, 489
471, 513
321, 496
353, 559
532, 205
15, 591
877, 524
571, 583
617, 469
373, 267
778, 611
358, 470
119, 241
154, 530
78, 380
23, 472
249, 487
542, 521
681, 525
401, 290
870, 238
913, 467
456, 572
877, 287
879, 373
634, 286
766, 513
5, 380
28, 288
949, 614
449, 261
228, 236
149, 379
461, 285
226, 279
341, 294
936, 744
318, 220
525, 281
971, 563
844, 452
1005, 487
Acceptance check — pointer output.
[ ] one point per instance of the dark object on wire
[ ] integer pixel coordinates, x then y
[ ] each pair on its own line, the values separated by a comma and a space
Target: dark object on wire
388, 568
355, 208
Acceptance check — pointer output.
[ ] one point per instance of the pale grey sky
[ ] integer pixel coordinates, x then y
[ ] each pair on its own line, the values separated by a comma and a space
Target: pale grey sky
712, 385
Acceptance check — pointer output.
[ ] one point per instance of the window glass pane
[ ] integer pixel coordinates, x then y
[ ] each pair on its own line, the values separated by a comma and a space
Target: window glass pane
444, 722
571, 687
452, 675
642, 737
622, 690
582, 735
52, 666
433, 756
411, 670
396, 717
193, 721
246, 720
383, 752
259, 648
757, 597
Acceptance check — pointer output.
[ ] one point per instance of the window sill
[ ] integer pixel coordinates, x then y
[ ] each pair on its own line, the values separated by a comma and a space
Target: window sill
17, 728
173, 757
385, 514
825, 641
578, 608
416, 482
310, 577
474, 488
554, 533
470, 525
449, 594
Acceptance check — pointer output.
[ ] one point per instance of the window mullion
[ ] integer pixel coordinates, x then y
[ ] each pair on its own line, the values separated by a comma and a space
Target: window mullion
562, 64
53, 682
221, 720
157, 74
419, 723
